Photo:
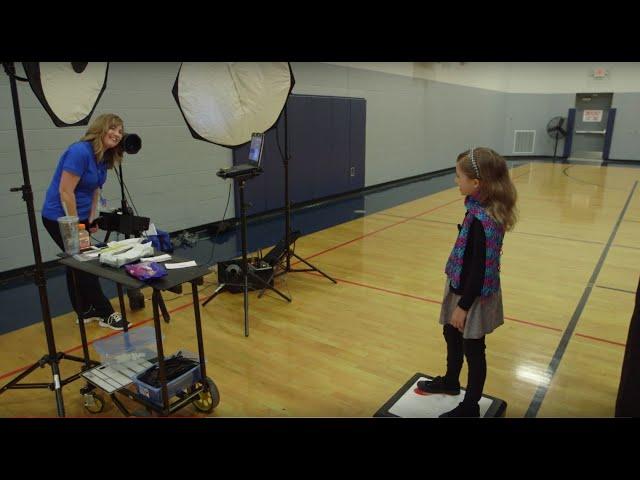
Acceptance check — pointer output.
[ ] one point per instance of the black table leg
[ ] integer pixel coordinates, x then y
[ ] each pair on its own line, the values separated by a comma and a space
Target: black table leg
161, 369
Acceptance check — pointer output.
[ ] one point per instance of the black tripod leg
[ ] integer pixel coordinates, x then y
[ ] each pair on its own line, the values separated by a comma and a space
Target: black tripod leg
312, 267
266, 285
268, 282
217, 291
13, 382
40, 280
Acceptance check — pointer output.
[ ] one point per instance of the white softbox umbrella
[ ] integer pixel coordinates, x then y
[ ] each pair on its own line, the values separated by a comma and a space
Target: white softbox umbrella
225, 102
68, 91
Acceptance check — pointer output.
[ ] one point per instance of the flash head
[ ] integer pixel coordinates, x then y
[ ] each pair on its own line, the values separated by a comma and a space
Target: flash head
131, 143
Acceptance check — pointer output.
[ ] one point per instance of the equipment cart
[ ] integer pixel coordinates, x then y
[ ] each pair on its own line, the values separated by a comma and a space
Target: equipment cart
115, 377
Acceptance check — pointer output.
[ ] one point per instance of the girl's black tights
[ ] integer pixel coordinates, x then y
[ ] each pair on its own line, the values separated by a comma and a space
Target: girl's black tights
473, 350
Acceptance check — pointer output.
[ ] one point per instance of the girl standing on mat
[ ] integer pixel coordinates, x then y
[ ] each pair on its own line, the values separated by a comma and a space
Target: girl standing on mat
472, 304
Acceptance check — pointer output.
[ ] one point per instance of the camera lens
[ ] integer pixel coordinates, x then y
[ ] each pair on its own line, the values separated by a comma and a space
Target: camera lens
131, 143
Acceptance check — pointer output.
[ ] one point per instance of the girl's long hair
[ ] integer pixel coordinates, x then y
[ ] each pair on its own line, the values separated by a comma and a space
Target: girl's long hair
497, 193
95, 133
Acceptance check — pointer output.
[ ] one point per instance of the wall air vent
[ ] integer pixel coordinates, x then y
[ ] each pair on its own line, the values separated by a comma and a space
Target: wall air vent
523, 141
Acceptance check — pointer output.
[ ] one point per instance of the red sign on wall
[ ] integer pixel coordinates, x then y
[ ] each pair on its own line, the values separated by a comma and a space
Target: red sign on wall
592, 116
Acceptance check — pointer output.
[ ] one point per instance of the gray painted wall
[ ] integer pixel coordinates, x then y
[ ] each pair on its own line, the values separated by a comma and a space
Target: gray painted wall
414, 126
533, 112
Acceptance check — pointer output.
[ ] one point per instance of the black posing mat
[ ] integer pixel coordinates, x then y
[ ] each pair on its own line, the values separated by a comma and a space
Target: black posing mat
407, 403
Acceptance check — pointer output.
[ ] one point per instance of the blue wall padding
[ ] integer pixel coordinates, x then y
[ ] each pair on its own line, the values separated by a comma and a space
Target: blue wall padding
326, 139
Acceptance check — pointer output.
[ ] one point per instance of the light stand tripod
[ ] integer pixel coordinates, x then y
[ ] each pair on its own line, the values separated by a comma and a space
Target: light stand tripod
288, 253
128, 224
52, 358
246, 271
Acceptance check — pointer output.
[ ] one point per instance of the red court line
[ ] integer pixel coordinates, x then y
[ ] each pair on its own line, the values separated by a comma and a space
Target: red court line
406, 219
380, 230
320, 253
135, 325
425, 299
314, 255
600, 339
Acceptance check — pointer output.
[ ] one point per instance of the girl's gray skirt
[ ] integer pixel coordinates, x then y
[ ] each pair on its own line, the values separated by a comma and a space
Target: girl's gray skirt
484, 316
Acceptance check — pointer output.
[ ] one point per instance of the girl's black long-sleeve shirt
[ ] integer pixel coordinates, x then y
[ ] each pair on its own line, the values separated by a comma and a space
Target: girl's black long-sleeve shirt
473, 265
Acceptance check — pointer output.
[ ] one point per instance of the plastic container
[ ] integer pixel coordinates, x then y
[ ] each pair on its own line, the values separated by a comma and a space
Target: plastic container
178, 384
69, 232
135, 345
84, 240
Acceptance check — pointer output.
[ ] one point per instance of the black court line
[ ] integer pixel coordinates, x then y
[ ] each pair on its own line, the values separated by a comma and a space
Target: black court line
616, 289
541, 392
564, 171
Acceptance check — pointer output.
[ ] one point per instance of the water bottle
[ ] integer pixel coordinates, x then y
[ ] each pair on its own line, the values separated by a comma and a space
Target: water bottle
83, 237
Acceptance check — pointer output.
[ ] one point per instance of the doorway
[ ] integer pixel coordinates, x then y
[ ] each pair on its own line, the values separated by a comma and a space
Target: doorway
590, 129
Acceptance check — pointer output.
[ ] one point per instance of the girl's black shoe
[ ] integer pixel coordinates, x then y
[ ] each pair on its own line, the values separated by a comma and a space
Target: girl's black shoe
463, 410
439, 385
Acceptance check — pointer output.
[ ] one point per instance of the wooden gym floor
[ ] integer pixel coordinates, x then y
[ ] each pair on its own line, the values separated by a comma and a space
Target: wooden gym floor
569, 273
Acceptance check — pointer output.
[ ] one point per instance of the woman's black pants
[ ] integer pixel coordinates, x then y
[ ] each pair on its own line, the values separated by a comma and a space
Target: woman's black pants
89, 288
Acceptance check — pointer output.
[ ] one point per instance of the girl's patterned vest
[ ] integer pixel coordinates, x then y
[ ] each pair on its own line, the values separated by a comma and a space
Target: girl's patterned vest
494, 233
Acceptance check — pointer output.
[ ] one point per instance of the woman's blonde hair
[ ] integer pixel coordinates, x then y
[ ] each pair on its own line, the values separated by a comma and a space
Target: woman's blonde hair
496, 193
95, 134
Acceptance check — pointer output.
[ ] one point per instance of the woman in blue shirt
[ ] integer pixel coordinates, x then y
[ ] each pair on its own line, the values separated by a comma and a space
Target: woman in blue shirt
75, 190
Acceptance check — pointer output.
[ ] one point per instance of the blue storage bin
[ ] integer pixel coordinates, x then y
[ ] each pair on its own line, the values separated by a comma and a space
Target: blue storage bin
135, 345
178, 384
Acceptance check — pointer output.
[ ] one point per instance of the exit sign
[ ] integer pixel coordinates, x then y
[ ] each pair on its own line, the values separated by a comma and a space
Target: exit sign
600, 73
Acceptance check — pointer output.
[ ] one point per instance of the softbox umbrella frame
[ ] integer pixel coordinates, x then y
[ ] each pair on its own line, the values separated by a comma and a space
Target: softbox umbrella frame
33, 73
176, 95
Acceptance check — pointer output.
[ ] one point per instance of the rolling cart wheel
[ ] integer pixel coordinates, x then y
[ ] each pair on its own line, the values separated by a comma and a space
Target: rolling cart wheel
209, 398
93, 403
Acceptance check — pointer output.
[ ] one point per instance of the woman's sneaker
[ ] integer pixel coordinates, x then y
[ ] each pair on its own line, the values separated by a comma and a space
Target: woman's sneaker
438, 385
114, 322
89, 316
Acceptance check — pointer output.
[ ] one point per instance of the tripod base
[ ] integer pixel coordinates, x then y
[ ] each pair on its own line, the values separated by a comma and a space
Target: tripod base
217, 291
57, 384
287, 268
255, 279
